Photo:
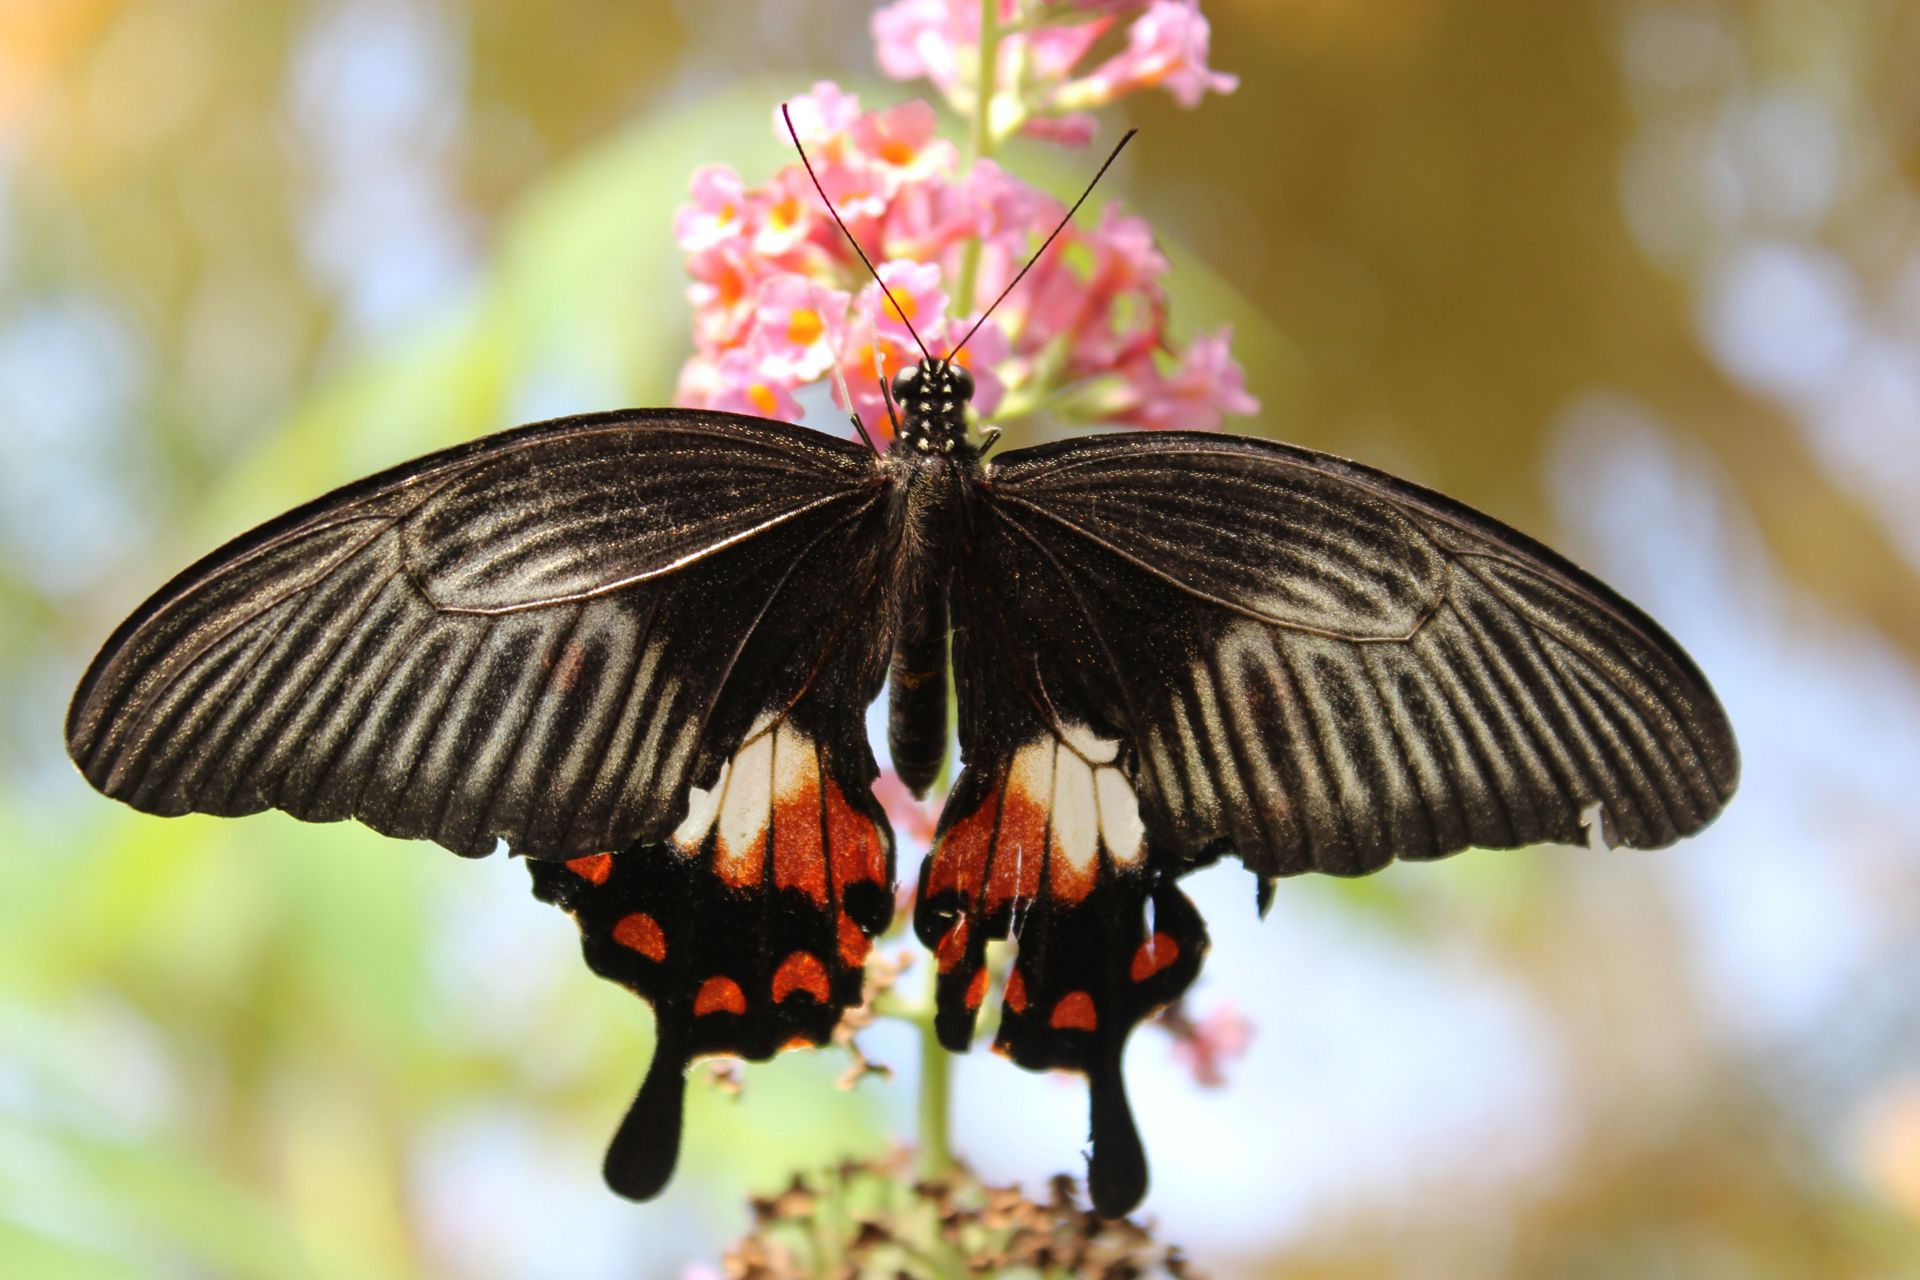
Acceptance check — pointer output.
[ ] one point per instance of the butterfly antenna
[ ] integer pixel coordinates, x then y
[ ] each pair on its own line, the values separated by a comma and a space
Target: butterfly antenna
1111, 157
880, 373
835, 215
839, 378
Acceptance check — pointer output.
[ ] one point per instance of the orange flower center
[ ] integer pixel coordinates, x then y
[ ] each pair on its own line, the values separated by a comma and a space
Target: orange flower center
804, 327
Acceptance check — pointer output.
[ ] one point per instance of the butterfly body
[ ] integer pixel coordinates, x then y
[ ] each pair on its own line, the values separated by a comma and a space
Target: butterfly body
638, 648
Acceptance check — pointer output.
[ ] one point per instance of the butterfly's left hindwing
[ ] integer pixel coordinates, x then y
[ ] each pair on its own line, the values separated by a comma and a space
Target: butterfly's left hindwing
748, 928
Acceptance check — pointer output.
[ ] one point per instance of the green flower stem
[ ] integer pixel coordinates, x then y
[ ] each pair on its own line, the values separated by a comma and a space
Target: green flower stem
981, 140
936, 1093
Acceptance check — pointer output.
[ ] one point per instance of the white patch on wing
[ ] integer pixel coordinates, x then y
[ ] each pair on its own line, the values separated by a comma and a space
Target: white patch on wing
1032, 771
795, 767
1120, 827
746, 808
1076, 821
1095, 750
703, 806
1089, 806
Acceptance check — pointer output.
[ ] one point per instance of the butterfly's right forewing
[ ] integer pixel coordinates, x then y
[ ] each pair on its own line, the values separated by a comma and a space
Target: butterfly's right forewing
546, 637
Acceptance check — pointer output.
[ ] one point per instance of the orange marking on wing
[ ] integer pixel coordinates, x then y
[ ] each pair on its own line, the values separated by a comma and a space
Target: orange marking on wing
977, 988
801, 971
858, 853
1075, 1012
799, 861
641, 932
595, 867
960, 859
854, 943
1155, 954
1072, 884
1016, 997
1021, 851
719, 995
798, 1042
742, 868
953, 945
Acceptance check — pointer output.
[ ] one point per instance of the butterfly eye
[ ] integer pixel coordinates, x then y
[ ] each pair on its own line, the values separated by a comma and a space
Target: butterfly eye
905, 381
961, 382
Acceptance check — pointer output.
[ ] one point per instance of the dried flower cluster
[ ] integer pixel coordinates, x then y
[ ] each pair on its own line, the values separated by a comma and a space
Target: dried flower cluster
867, 1220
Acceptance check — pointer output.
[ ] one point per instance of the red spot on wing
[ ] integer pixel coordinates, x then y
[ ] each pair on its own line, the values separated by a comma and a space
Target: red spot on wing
801, 971
1075, 1012
641, 932
858, 852
799, 860
960, 860
977, 988
854, 943
1020, 852
719, 995
953, 945
1016, 997
595, 867
1155, 954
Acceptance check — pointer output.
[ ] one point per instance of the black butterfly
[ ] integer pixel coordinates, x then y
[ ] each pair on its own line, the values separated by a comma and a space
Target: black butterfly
638, 649
656, 633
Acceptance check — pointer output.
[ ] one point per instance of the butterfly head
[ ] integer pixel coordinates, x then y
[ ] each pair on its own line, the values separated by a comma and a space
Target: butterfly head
933, 396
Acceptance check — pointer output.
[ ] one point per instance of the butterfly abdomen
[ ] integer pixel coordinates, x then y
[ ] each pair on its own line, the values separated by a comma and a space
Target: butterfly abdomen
932, 491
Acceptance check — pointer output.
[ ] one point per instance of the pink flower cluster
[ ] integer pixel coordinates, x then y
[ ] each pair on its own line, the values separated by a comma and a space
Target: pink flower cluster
1036, 89
780, 297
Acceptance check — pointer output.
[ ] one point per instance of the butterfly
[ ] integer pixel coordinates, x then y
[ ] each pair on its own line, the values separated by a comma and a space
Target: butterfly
638, 648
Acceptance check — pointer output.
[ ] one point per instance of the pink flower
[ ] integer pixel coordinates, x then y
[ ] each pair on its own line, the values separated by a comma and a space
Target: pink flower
1205, 1046
902, 143
1053, 51
1206, 385
1166, 47
820, 116
916, 300
735, 383
718, 211
940, 40
780, 298
788, 216
914, 38
797, 325
726, 280
1074, 129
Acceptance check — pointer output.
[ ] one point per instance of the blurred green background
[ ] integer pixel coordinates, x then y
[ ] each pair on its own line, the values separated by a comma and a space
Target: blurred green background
1640, 277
